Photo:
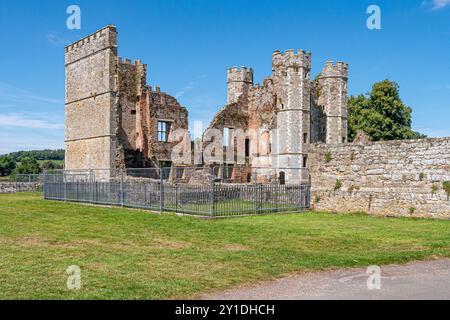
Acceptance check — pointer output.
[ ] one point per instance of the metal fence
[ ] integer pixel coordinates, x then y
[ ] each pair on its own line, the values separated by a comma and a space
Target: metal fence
167, 189
29, 182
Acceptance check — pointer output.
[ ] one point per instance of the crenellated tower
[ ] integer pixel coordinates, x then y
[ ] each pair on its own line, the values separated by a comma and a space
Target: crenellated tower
291, 77
239, 82
91, 102
333, 97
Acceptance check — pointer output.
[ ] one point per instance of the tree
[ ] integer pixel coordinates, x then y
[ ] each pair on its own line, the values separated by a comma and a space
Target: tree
382, 115
48, 165
7, 165
27, 166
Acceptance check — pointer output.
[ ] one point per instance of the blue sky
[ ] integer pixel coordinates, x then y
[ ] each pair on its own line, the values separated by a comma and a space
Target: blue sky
188, 45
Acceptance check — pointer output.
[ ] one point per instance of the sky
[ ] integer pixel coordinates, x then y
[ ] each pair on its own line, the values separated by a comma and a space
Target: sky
188, 46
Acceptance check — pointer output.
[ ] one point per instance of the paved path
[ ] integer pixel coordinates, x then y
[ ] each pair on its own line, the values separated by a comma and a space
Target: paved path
417, 280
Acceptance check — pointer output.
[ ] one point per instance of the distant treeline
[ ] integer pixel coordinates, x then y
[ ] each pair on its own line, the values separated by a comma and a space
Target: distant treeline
30, 162
38, 155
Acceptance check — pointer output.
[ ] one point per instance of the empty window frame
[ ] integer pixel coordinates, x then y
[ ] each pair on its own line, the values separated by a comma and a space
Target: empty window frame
163, 131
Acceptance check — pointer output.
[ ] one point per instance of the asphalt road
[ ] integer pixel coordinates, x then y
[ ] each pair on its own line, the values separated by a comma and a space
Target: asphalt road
414, 281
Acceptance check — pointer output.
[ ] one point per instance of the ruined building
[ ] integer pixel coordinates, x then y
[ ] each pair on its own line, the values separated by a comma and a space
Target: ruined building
114, 120
285, 114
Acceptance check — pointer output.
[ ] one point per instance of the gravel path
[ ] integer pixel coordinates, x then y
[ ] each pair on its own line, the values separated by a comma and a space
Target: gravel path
417, 280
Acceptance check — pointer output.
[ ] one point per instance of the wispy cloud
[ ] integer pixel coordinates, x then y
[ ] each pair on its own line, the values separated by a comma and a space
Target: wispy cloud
186, 89
434, 133
55, 39
11, 93
18, 142
436, 4
190, 86
11, 120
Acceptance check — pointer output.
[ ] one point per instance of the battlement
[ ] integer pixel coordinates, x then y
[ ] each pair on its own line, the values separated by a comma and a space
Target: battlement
290, 58
102, 39
243, 74
120, 60
340, 69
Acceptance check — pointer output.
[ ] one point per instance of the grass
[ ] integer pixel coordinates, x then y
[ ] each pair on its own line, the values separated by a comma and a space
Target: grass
132, 254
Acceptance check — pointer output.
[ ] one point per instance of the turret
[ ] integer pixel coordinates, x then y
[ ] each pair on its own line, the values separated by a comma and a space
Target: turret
239, 82
333, 97
291, 76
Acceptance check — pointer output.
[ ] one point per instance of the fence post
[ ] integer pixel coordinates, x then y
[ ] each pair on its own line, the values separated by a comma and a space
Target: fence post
121, 188
145, 194
212, 187
161, 191
308, 193
176, 196
255, 192
64, 181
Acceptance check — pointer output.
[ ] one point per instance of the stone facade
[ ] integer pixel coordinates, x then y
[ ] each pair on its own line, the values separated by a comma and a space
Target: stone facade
115, 121
90, 101
286, 113
112, 115
383, 178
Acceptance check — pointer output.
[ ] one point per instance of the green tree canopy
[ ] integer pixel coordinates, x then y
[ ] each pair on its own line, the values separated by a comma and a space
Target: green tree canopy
38, 155
7, 165
382, 114
27, 166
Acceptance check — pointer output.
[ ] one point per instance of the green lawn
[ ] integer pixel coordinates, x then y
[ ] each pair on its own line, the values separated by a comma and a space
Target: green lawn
132, 254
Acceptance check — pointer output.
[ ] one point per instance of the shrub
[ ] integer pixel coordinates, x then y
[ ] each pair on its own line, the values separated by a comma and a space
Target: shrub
317, 199
338, 185
434, 188
421, 176
412, 210
27, 165
353, 188
328, 157
446, 187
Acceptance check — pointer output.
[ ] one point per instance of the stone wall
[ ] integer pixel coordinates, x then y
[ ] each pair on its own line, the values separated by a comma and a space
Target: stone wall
90, 101
401, 178
11, 187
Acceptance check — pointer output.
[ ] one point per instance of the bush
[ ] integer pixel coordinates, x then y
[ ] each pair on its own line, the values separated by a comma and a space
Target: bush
27, 166
434, 188
446, 187
328, 157
353, 188
7, 165
317, 199
338, 185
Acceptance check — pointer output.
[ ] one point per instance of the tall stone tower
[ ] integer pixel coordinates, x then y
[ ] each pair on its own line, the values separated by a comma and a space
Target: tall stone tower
91, 122
333, 96
291, 76
239, 82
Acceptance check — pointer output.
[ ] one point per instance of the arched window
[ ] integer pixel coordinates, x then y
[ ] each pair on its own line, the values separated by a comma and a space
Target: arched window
282, 178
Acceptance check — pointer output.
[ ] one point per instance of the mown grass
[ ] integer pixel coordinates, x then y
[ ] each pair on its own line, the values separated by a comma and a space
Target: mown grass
133, 254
